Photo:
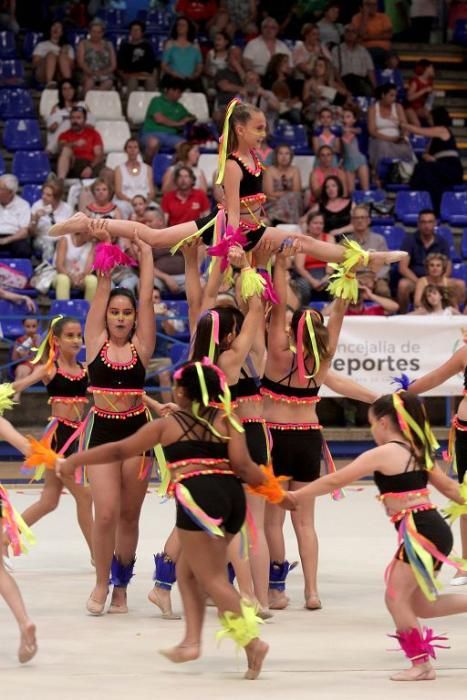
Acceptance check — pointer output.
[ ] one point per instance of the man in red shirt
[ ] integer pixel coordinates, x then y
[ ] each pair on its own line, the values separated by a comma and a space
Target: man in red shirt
81, 148
185, 202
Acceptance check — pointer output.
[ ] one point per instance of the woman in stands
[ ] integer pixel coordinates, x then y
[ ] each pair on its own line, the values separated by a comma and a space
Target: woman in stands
66, 383
120, 340
133, 178
58, 120
185, 154
402, 467
53, 59
457, 364
44, 213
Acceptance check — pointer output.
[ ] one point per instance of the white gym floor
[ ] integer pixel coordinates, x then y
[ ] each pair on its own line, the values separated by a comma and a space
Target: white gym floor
339, 652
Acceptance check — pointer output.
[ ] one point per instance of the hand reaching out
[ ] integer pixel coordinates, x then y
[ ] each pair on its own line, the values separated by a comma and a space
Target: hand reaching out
237, 257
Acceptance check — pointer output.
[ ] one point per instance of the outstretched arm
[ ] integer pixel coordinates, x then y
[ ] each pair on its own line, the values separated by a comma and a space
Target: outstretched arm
349, 387
39, 374
448, 487
439, 375
11, 435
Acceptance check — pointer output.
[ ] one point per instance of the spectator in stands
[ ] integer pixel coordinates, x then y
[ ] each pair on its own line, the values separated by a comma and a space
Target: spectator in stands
185, 154
284, 87
96, 59
81, 148
241, 14
217, 60
354, 162
160, 361
322, 89
258, 52
47, 211
420, 94
133, 177
354, 64
440, 168
18, 299
140, 206
102, 206
228, 83
182, 58
327, 133
436, 268
283, 187
256, 95
136, 61
379, 305
418, 246
335, 207
8, 16
197, 11
58, 120
165, 119
322, 170
15, 217
169, 270
387, 128
23, 349
435, 301
53, 59
311, 278
330, 31
73, 262
184, 203
307, 51
374, 30
368, 240
423, 13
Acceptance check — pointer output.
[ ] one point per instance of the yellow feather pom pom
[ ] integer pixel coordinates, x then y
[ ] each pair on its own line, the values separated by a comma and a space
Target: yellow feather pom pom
6, 397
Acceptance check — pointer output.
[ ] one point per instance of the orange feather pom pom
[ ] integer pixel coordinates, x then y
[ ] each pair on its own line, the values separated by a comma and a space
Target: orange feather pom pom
271, 488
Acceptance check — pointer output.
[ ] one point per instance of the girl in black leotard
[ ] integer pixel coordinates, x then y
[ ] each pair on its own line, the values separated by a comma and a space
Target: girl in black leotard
206, 453
120, 340
66, 381
402, 466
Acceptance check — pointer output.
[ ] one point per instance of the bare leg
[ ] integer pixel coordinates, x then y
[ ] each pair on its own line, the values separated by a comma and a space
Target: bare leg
65, 65
259, 557
273, 526
350, 179
50, 67
88, 84
105, 483
364, 177
460, 578
132, 497
48, 500
304, 526
194, 606
64, 162
159, 595
83, 499
242, 568
12, 597
165, 380
449, 604
405, 289
402, 588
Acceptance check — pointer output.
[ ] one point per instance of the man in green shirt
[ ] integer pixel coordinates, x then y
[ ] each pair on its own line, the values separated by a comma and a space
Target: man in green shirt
165, 119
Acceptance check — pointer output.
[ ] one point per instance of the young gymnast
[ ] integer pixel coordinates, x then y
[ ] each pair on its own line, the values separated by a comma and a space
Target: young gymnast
120, 338
457, 364
66, 382
240, 172
10, 529
402, 467
206, 454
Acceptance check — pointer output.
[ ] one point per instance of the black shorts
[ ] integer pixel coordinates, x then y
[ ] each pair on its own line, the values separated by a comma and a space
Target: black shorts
253, 236
296, 453
431, 525
62, 434
257, 440
220, 496
461, 450
106, 430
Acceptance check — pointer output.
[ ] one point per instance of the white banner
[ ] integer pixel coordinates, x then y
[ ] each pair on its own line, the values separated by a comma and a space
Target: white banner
372, 350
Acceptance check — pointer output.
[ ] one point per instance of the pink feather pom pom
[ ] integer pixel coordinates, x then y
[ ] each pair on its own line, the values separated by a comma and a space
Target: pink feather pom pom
221, 249
269, 293
109, 256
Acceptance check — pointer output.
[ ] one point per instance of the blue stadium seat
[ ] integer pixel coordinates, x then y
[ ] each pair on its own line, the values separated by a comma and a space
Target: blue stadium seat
368, 197
114, 19
391, 75
419, 144
454, 208
16, 103
157, 42
178, 353
2, 165
460, 32
294, 135
180, 309
70, 307
408, 204
31, 193
382, 169
7, 45
116, 37
31, 167
394, 235
459, 271
156, 21
22, 135
31, 39
74, 36
22, 265
11, 72
464, 244
12, 328
446, 233
160, 163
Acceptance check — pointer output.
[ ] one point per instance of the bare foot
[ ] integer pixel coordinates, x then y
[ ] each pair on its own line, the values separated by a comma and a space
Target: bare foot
256, 652
96, 602
28, 645
378, 260
278, 600
182, 653
118, 604
78, 222
264, 613
161, 598
421, 672
312, 602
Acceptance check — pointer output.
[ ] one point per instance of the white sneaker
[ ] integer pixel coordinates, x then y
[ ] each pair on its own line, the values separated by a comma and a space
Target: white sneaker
459, 581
